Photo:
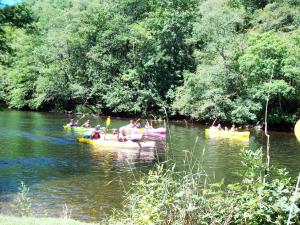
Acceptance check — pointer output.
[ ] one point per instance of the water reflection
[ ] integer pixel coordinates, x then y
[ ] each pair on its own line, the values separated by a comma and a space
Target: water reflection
129, 156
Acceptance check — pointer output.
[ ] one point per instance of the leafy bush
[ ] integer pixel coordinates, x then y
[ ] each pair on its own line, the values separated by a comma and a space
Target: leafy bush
168, 196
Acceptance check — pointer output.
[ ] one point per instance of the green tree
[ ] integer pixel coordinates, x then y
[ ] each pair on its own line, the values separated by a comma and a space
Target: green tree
269, 55
17, 16
209, 93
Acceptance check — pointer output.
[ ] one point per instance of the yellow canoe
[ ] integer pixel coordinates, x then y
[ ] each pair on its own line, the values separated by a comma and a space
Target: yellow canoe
117, 144
226, 134
297, 130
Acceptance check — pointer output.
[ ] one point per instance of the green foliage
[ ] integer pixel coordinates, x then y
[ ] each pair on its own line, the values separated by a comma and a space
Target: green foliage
16, 16
232, 80
277, 17
252, 5
168, 196
268, 54
101, 55
209, 93
22, 201
204, 59
139, 59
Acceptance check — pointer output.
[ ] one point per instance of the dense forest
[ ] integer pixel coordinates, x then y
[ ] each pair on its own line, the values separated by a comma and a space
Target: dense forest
201, 59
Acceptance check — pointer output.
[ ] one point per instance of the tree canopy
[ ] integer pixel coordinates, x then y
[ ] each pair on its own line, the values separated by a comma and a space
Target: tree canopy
202, 59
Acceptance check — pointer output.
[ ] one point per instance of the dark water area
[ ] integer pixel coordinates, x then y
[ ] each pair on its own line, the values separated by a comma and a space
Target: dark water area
35, 149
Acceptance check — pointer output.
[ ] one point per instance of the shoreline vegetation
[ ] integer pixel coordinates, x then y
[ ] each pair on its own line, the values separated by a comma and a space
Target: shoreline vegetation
197, 59
169, 196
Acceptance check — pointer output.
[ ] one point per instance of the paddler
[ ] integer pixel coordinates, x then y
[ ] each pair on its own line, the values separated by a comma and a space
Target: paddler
219, 127
73, 123
137, 124
131, 124
233, 128
148, 126
87, 124
96, 133
122, 136
115, 132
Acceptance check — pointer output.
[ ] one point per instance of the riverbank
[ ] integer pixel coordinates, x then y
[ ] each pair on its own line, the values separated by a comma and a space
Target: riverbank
13, 220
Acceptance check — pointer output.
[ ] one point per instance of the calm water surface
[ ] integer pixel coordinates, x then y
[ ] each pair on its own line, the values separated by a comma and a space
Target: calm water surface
35, 149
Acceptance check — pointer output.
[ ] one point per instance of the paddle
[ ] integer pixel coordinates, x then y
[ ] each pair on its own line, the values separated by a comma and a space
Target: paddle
81, 118
107, 125
214, 122
107, 121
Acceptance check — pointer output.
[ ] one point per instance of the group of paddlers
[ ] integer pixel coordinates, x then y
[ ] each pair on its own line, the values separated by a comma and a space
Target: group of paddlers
137, 124
98, 131
219, 128
119, 133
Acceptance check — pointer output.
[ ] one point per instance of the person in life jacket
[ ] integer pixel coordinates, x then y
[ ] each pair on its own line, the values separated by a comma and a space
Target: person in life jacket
122, 136
115, 132
73, 123
147, 125
96, 133
233, 128
131, 124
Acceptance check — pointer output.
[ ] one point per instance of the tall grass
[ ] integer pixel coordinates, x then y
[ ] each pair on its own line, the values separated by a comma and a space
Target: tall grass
170, 196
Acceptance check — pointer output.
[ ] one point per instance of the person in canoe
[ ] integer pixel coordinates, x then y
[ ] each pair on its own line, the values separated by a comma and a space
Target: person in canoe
73, 123
131, 124
219, 127
233, 128
138, 124
96, 133
87, 124
122, 136
115, 132
147, 125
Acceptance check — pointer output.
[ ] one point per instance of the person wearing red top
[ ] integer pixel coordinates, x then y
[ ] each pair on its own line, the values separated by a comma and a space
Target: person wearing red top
96, 133
122, 137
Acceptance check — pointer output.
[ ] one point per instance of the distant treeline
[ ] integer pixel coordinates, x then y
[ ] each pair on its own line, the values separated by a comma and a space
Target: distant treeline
201, 59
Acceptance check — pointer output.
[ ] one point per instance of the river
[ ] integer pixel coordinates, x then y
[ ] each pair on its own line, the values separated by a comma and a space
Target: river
35, 149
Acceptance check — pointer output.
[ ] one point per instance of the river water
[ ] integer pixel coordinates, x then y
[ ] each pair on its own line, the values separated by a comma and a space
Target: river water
60, 172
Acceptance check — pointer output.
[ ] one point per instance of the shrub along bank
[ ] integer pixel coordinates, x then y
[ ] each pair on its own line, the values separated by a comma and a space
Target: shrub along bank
167, 196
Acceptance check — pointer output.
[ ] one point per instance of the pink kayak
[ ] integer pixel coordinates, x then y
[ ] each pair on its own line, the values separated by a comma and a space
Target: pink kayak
160, 132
